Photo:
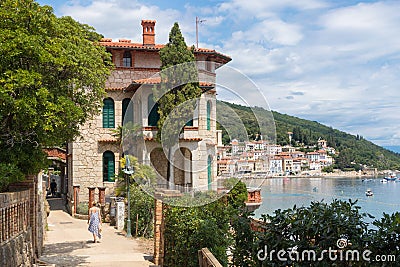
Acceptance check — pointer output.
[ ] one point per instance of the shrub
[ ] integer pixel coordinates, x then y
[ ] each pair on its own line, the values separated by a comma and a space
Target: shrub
82, 208
9, 173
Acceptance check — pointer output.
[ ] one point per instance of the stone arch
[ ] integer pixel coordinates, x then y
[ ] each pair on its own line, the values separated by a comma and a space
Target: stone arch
159, 161
108, 166
183, 167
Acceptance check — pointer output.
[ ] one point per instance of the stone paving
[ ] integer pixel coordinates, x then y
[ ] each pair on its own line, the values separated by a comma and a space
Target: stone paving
69, 243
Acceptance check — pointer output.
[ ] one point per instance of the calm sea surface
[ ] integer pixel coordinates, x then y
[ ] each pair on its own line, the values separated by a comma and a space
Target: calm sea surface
283, 193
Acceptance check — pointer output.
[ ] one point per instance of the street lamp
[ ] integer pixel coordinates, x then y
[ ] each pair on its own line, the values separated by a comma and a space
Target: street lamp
128, 170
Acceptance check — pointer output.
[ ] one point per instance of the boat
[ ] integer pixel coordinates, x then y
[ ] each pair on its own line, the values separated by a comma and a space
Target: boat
390, 177
369, 193
384, 181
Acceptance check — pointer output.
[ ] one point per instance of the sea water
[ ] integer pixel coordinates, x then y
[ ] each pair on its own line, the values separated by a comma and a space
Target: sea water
283, 193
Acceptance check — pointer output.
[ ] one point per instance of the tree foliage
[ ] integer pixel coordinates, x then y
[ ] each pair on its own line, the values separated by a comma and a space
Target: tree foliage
321, 234
141, 202
178, 91
179, 85
189, 229
52, 76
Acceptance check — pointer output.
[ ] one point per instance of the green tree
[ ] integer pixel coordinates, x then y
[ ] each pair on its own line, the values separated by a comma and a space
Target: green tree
178, 91
317, 228
52, 76
141, 202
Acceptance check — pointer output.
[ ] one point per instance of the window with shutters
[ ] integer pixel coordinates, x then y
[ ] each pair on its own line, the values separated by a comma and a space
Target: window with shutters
209, 172
127, 111
208, 115
153, 111
108, 113
127, 59
108, 166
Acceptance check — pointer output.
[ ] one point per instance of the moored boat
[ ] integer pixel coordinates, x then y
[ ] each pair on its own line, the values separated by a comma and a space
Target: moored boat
390, 177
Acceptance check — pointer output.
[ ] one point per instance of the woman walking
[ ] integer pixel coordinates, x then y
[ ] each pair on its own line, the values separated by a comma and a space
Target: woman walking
94, 221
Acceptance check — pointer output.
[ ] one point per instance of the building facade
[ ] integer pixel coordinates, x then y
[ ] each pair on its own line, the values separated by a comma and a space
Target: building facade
93, 159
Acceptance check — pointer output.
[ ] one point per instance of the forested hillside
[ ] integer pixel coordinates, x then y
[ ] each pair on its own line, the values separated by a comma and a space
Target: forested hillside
354, 151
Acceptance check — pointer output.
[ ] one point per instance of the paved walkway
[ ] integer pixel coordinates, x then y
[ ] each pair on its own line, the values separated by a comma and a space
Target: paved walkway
69, 243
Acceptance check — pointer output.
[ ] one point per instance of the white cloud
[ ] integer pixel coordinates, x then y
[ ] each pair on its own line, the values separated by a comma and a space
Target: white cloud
335, 64
121, 19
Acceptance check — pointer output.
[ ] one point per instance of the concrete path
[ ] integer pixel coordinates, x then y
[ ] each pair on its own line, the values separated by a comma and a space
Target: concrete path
69, 243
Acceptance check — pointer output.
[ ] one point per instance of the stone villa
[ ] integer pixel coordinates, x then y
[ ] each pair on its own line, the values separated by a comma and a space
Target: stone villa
93, 159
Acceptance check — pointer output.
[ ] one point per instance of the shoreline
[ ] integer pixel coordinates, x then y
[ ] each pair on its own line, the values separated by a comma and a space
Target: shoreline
338, 174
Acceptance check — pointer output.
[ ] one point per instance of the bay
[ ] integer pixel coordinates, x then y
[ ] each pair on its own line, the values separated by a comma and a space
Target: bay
284, 193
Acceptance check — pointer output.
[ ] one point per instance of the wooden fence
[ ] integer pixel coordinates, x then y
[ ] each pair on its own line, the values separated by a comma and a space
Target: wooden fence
207, 259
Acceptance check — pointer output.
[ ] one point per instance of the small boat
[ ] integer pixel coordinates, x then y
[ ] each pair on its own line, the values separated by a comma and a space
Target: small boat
390, 177
369, 193
384, 181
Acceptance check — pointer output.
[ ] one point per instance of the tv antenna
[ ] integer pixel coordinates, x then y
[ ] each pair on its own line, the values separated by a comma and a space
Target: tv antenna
198, 21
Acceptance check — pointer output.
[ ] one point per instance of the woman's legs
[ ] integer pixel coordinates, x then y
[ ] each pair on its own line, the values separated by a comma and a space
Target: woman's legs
94, 238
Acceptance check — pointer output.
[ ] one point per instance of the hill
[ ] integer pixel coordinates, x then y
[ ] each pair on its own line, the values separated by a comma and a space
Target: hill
354, 150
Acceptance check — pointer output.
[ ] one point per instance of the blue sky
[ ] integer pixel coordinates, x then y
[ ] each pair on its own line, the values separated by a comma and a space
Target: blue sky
335, 62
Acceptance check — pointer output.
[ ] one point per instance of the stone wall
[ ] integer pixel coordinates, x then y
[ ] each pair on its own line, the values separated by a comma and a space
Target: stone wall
17, 251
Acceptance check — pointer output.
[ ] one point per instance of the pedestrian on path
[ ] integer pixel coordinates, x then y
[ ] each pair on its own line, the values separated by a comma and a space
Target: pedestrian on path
94, 221
53, 187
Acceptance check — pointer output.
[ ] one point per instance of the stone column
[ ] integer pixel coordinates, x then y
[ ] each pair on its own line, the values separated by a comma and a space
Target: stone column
91, 195
158, 232
102, 195
76, 197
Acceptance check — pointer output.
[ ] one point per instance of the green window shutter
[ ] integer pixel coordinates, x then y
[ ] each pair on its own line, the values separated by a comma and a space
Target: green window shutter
153, 113
108, 166
208, 115
189, 123
108, 113
127, 111
209, 172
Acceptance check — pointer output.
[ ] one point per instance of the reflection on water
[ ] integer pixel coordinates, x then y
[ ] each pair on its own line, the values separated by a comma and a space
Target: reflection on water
283, 193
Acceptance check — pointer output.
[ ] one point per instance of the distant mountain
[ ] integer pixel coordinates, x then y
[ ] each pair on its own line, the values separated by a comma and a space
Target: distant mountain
354, 150
395, 149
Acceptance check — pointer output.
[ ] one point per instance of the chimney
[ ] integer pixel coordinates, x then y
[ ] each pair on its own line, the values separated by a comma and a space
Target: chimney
149, 32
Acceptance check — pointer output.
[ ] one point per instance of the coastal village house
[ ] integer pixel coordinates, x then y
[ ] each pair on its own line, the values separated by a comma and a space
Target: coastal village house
93, 159
261, 159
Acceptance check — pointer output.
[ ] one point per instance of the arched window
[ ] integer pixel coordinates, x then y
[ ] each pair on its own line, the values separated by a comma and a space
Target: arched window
153, 111
108, 166
208, 115
209, 172
127, 60
108, 113
127, 111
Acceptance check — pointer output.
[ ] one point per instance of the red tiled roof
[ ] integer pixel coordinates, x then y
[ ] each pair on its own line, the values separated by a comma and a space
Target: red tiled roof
157, 80
125, 43
115, 88
108, 140
183, 139
55, 152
